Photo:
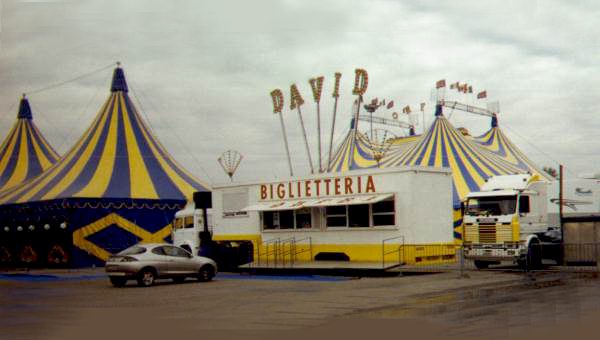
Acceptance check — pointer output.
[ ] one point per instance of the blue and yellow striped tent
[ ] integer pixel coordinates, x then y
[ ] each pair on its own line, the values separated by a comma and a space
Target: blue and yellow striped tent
497, 142
445, 146
358, 144
25, 153
115, 187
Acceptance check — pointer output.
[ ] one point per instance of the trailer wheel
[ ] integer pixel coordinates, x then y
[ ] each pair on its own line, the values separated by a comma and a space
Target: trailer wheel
481, 264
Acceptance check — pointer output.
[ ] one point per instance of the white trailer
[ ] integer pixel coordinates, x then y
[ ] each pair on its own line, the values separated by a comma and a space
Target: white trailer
363, 219
581, 197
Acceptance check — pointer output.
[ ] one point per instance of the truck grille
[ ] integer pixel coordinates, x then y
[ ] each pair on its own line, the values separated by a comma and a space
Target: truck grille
487, 233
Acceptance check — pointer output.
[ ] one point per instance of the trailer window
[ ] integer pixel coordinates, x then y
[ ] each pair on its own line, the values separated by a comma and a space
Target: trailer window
283, 219
358, 216
499, 205
337, 216
384, 213
178, 223
303, 218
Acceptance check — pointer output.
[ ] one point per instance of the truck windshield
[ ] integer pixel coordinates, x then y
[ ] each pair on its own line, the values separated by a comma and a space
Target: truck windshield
499, 205
183, 222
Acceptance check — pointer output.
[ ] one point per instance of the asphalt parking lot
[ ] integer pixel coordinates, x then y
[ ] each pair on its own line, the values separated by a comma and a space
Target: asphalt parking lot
80, 304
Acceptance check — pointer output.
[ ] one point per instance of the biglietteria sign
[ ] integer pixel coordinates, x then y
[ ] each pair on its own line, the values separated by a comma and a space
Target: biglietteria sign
335, 186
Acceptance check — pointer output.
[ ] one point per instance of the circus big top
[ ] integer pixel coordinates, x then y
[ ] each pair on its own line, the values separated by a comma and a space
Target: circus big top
472, 160
115, 187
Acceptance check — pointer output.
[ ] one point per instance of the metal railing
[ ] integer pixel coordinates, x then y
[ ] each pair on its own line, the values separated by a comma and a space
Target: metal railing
279, 252
283, 253
399, 250
397, 256
309, 249
266, 254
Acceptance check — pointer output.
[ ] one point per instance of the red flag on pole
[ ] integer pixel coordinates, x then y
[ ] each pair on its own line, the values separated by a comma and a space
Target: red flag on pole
390, 104
440, 83
482, 94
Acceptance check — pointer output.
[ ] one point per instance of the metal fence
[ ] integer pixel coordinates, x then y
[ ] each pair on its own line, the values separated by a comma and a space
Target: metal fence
572, 257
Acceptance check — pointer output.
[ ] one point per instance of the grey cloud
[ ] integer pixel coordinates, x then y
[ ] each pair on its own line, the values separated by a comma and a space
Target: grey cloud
203, 70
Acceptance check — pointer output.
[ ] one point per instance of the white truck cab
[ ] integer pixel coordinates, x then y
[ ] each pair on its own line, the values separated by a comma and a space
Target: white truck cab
506, 220
187, 225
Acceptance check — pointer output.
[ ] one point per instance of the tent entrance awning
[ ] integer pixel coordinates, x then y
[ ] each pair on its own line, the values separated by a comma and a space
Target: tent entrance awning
317, 202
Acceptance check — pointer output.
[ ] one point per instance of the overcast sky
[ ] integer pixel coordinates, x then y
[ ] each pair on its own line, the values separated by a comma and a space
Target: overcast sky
203, 70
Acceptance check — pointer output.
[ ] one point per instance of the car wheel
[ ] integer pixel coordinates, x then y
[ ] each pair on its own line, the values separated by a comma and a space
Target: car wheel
118, 281
178, 279
206, 273
146, 277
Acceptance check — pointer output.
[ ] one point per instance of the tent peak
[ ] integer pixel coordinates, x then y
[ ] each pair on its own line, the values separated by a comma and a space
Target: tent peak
438, 110
118, 82
24, 109
494, 121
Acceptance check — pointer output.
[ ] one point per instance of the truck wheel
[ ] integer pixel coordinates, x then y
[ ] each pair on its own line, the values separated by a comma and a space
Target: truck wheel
481, 264
533, 258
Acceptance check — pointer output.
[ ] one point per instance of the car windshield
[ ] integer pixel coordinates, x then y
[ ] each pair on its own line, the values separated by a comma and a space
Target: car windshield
135, 250
499, 205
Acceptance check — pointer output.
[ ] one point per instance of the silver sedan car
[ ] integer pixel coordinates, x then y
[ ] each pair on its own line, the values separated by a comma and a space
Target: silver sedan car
148, 262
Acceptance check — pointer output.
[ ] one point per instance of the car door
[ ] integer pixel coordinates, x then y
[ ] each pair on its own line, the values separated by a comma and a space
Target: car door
161, 261
181, 261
